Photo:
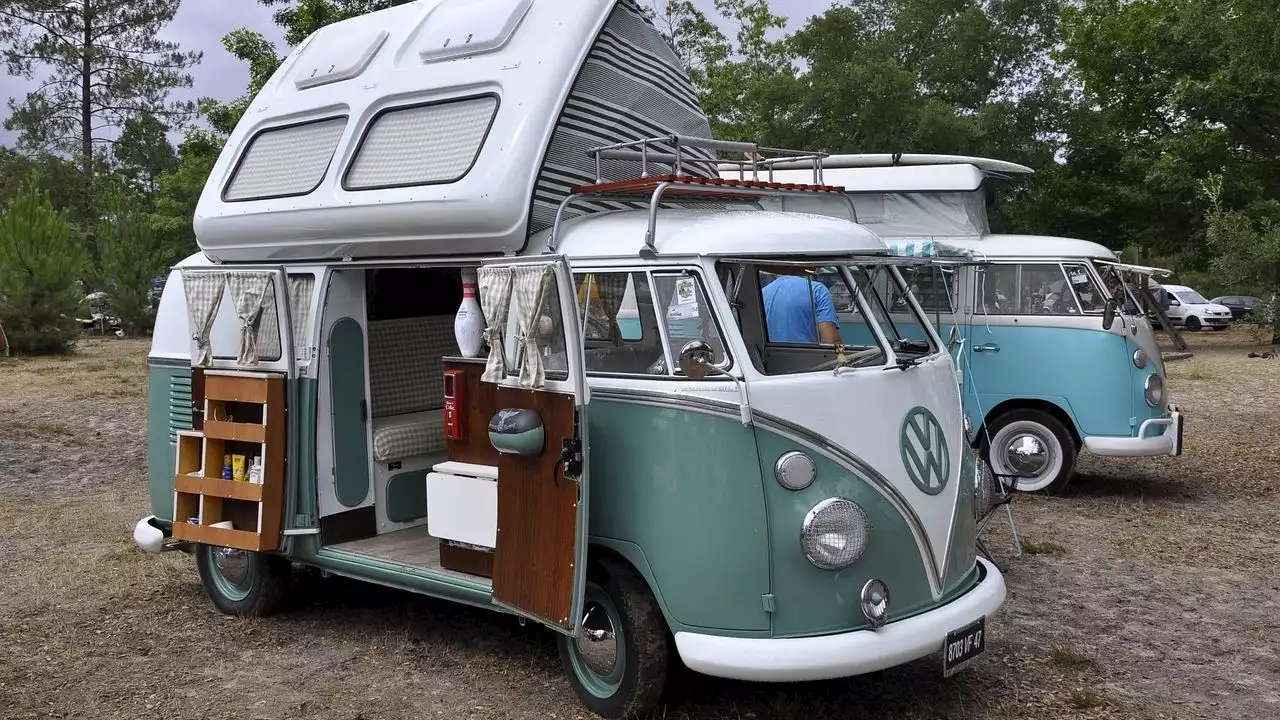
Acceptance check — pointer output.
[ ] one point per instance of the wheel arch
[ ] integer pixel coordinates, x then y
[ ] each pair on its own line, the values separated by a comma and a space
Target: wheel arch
620, 551
1057, 411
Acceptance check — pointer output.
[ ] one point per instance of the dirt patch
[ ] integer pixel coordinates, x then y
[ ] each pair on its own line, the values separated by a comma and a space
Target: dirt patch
1146, 591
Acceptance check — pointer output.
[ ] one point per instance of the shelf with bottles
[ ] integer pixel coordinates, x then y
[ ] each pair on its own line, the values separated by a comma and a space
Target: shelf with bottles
229, 481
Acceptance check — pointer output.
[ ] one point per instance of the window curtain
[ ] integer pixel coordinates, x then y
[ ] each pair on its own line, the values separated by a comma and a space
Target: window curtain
495, 302
605, 291
529, 287
204, 293
300, 288
249, 295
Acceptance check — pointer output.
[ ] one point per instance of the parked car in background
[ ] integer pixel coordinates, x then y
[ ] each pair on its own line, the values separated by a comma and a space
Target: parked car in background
1191, 310
1239, 305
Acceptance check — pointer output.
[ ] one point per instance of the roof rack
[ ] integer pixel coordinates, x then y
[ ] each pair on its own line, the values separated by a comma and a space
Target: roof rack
680, 185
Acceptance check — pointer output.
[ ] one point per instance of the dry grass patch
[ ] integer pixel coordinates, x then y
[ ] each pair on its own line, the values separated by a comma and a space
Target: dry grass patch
1042, 547
98, 368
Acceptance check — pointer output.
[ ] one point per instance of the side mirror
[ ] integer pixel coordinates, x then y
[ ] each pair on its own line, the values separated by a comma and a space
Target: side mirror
953, 337
1109, 313
696, 359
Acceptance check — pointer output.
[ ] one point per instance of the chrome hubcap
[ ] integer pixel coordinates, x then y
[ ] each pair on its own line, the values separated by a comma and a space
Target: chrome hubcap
1026, 453
232, 564
597, 644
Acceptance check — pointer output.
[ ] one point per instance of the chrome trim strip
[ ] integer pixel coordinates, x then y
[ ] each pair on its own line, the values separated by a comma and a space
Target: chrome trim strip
796, 433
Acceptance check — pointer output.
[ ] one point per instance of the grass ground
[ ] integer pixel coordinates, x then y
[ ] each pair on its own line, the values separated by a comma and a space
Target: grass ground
1147, 590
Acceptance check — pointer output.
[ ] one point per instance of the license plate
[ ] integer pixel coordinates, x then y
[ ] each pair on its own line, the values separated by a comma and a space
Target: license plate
963, 646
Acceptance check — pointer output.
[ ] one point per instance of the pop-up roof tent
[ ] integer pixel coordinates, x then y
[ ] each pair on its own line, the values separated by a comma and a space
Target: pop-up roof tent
441, 127
919, 199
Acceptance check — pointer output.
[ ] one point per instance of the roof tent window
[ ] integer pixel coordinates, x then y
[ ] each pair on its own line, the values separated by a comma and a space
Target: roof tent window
422, 145
285, 161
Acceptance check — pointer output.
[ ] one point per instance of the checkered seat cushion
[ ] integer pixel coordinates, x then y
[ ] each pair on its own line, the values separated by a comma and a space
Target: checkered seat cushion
406, 384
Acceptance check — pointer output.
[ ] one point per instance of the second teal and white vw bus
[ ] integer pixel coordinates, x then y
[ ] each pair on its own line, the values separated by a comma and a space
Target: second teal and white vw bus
378, 366
1055, 353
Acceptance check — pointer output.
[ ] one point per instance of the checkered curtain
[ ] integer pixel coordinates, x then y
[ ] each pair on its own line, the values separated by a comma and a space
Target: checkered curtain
530, 285
249, 295
300, 288
495, 302
609, 288
204, 294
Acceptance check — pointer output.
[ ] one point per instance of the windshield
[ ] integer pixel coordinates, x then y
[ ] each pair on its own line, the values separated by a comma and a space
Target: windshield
1125, 286
1191, 297
813, 316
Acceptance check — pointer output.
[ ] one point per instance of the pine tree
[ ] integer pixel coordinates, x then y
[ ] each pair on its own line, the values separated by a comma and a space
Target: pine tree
40, 264
105, 64
131, 256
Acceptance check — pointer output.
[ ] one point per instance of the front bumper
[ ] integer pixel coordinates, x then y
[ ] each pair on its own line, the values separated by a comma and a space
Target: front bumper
1168, 442
834, 656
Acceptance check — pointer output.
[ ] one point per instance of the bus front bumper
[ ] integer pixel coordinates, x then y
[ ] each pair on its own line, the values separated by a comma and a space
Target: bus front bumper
834, 656
1168, 442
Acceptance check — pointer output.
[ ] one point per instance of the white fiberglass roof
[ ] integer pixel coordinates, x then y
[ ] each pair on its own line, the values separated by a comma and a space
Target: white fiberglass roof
728, 232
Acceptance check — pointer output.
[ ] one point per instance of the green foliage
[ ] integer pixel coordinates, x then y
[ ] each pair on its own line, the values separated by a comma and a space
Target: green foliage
256, 51
300, 18
1246, 250
144, 153
179, 192
40, 266
131, 256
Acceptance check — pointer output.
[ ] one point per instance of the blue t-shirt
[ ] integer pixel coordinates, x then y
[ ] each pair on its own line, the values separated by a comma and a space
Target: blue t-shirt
791, 314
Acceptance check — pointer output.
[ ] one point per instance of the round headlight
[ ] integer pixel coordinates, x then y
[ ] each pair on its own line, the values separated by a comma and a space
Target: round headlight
875, 602
795, 470
1154, 389
1139, 358
834, 534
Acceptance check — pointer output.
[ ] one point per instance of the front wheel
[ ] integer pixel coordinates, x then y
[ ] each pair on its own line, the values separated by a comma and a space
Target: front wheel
1193, 323
618, 663
1028, 441
240, 582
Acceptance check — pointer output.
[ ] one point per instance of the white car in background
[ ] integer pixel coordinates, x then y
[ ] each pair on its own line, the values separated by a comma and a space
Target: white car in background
1191, 310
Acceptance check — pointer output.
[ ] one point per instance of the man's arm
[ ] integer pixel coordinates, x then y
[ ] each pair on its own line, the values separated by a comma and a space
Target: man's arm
825, 315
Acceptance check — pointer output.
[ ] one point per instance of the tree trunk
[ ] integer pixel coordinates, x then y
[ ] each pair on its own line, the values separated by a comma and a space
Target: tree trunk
86, 94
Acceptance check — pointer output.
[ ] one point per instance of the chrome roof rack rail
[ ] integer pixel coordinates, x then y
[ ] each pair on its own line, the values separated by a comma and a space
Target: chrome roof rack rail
678, 154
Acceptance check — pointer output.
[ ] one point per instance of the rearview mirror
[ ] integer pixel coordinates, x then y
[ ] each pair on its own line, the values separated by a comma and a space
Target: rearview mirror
1109, 313
953, 337
696, 359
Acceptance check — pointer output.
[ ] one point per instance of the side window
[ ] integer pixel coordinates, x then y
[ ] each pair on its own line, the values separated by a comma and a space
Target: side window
934, 288
1087, 293
224, 337
620, 325
1027, 289
547, 331
1045, 291
804, 309
687, 314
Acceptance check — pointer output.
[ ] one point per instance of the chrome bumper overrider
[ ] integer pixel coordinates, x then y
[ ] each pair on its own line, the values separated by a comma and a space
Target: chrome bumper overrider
1168, 442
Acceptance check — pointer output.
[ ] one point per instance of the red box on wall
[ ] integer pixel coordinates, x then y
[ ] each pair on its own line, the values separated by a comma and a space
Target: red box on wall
455, 417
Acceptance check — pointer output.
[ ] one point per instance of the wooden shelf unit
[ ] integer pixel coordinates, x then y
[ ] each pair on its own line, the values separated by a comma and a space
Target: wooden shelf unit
244, 414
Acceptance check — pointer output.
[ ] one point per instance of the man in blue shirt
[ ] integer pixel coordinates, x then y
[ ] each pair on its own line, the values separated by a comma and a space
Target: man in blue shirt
799, 310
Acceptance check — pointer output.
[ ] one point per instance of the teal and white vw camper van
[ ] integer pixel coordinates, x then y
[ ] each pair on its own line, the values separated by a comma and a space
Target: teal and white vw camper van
759, 507
1055, 353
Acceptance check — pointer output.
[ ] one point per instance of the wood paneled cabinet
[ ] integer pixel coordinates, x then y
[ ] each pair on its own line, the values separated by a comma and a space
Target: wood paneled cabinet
244, 414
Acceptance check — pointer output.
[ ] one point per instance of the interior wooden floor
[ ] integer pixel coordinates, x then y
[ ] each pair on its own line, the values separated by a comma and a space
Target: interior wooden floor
411, 546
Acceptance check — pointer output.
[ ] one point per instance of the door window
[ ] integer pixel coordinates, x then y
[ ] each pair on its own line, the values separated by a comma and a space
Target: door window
619, 323
687, 314
546, 336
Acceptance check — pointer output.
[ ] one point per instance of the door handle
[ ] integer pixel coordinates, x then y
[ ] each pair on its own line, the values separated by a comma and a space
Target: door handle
988, 347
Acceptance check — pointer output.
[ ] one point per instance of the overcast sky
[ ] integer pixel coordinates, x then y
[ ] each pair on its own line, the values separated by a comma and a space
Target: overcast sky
200, 25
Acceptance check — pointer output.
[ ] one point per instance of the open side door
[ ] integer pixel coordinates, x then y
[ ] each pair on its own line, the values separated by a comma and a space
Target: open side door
242, 357
539, 428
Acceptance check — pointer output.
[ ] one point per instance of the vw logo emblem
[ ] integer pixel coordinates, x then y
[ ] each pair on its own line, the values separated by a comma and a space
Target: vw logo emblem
924, 451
